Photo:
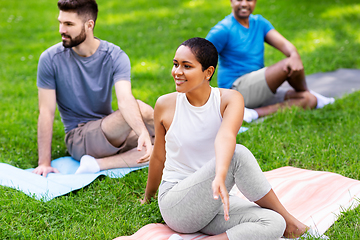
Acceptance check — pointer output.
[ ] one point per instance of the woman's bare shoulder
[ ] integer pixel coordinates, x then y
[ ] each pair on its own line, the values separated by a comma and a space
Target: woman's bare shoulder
166, 101
165, 109
230, 95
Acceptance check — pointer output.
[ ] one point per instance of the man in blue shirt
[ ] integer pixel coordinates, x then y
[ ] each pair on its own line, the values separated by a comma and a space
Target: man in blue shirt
239, 39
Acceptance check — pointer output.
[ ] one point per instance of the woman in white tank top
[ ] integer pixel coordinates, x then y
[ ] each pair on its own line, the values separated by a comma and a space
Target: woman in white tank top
197, 160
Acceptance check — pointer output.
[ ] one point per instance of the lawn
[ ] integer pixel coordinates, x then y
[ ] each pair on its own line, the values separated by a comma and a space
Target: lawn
326, 33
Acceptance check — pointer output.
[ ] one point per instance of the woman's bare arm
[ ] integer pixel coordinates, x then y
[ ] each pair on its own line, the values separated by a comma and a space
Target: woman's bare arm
232, 109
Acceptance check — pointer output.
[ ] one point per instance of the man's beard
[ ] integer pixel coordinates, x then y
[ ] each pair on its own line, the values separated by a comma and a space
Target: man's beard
76, 41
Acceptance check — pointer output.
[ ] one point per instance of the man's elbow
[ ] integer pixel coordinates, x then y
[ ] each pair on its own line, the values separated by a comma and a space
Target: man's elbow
46, 114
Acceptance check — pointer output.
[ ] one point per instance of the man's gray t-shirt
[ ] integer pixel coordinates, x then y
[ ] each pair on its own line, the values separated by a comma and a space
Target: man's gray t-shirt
83, 85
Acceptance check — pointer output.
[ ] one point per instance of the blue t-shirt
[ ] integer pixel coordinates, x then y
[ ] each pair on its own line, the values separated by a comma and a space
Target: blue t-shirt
83, 85
241, 50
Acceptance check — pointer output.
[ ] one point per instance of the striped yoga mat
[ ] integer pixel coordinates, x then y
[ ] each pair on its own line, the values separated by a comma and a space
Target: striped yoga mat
316, 198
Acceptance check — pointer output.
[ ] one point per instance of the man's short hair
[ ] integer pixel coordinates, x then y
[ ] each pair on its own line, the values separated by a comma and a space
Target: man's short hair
88, 9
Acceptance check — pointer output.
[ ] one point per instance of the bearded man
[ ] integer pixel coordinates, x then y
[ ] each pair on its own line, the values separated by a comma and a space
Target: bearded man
78, 75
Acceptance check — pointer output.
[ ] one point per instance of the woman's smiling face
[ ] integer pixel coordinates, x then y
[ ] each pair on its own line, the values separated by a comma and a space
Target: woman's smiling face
187, 71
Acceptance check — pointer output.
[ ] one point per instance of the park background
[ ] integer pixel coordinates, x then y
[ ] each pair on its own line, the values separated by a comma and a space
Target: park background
325, 32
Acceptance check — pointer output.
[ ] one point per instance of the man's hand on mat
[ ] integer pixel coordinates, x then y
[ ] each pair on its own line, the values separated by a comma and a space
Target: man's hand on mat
44, 170
144, 141
219, 188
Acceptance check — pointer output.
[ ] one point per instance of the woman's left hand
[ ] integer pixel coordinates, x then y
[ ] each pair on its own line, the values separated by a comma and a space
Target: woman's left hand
219, 189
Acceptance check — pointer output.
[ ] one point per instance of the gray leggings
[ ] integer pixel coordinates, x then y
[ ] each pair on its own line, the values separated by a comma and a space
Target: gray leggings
189, 206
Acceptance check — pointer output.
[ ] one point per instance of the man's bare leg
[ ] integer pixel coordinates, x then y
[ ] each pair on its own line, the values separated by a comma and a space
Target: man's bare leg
115, 128
275, 76
299, 96
117, 131
89, 164
302, 99
121, 160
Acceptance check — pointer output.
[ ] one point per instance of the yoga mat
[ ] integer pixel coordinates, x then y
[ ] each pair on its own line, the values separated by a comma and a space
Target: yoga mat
55, 184
243, 129
332, 84
316, 198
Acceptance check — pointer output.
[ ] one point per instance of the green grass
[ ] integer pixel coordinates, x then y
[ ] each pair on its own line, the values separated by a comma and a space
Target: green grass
325, 33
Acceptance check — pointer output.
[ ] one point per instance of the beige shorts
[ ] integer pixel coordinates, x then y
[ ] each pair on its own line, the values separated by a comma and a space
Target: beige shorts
255, 90
88, 138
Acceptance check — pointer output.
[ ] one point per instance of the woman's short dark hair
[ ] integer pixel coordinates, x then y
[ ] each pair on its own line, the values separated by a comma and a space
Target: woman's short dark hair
204, 51
88, 9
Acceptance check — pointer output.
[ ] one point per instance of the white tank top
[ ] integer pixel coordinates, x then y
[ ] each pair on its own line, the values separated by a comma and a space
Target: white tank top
191, 136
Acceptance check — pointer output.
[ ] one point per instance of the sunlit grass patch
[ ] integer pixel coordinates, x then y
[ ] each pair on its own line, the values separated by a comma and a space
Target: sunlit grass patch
350, 11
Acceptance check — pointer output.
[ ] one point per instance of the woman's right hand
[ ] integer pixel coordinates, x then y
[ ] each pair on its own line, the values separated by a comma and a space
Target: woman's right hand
219, 189
145, 200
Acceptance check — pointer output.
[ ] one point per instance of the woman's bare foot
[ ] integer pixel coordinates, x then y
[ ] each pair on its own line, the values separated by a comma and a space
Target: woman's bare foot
295, 228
